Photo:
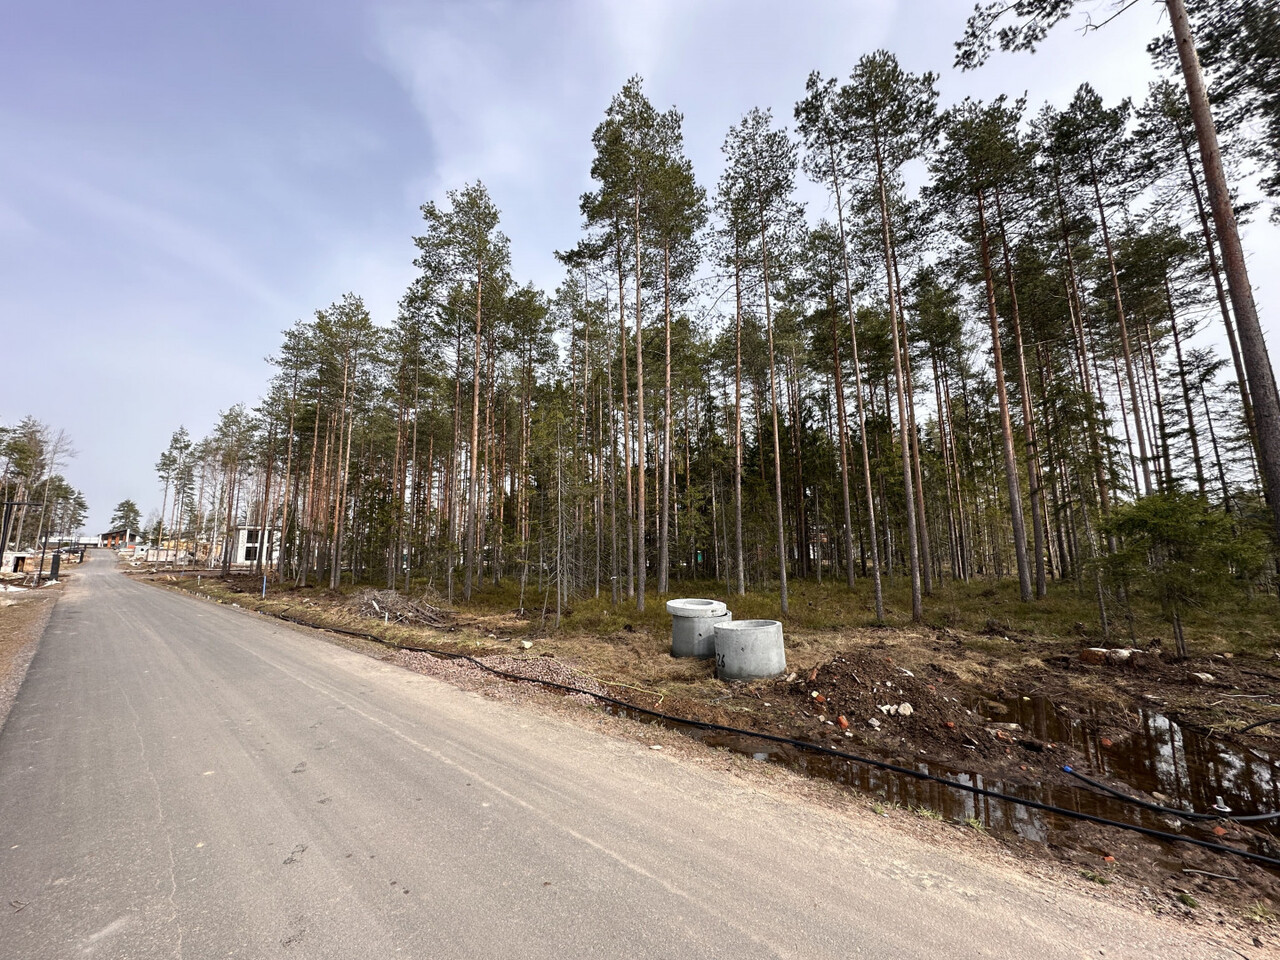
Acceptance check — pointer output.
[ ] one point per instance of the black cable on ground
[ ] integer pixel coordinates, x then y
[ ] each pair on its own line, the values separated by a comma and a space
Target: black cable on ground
1184, 814
813, 748
1260, 723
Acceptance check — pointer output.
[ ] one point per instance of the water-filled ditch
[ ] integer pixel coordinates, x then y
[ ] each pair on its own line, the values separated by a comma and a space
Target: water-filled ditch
1189, 769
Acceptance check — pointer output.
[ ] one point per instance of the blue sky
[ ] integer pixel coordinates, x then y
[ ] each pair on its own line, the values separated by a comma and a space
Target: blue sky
181, 181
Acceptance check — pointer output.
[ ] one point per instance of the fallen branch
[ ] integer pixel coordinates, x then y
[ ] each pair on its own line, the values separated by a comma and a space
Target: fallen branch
1206, 873
392, 607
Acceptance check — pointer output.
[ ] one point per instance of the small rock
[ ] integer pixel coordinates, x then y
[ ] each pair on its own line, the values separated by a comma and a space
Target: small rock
1105, 741
1171, 823
1117, 657
493, 636
791, 678
655, 746
527, 644
1203, 677
1011, 727
1219, 831
905, 710
843, 721
951, 724
1094, 655
888, 709
873, 723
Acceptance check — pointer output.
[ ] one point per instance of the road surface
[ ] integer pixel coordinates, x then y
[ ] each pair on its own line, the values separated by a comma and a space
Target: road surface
181, 779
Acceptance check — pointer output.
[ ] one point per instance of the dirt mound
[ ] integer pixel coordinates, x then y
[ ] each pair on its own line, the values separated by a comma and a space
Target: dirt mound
866, 697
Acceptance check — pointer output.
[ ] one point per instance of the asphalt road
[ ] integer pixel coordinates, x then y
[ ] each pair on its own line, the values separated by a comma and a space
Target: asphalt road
180, 779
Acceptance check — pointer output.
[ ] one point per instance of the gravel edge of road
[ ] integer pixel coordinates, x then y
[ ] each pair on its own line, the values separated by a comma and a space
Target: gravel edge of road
12, 682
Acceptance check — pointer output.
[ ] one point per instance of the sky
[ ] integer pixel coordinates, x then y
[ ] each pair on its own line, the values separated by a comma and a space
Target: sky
182, 181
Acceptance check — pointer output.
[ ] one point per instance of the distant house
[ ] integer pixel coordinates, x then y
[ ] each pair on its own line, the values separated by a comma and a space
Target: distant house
53, 541
250, 543
122, 538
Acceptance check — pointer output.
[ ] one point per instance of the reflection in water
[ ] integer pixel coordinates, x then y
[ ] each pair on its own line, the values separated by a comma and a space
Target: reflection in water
1189, 769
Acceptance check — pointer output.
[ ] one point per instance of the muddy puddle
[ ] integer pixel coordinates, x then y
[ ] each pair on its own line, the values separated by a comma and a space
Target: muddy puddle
1155, 754
1189, 769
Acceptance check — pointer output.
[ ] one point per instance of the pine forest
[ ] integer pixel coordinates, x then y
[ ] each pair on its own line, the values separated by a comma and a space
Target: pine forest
1015, 343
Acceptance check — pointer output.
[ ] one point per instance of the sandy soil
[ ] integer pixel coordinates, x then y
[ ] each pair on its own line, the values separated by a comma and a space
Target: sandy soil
23, 615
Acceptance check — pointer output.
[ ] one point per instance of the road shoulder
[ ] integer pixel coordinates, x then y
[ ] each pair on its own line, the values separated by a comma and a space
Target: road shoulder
24, 614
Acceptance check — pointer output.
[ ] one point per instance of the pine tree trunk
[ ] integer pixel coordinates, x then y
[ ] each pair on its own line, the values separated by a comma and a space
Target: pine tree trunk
1217, 454
922, 516
944, 443
1124, 419
340, 512
664, 528
1186, 392
642, 560
739, 560
844, 447
791, 372
913, 556
334, 546
773, 404
614, 569
264, 519
473, 476
288, 477
1124, 332
1006, 426
1162, 432
451, 479
964, 545
857, 388
1242, 382
626, 424
1028, 420
1075, 309
1262, 385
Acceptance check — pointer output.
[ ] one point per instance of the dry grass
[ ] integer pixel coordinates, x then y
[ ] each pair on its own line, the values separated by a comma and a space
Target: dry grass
991, 633
981, 609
